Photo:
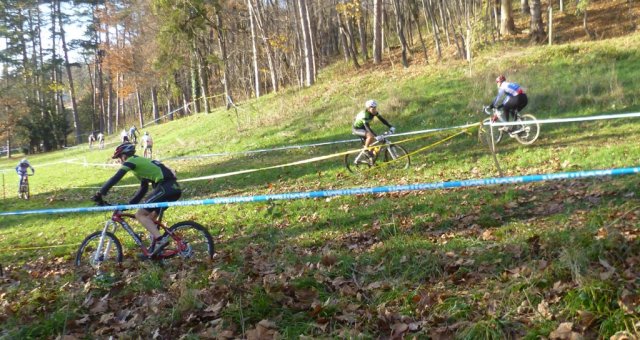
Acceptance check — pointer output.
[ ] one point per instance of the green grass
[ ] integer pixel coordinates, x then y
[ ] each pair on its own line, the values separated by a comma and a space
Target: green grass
351, 266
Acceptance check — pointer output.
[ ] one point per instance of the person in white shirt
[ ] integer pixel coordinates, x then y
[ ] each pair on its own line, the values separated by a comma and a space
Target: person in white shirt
124, 136
92, 138
100, 140
147, 145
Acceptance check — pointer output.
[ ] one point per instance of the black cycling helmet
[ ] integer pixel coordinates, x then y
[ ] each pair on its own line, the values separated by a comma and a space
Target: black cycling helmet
124, 149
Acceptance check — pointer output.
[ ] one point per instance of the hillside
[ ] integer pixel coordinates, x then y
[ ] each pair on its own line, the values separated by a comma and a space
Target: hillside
550, 259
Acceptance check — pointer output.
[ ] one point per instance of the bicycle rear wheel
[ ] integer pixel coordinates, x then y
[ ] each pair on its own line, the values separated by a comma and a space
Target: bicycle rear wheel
99, 255
191, 242
397, 156
484, 133
361, 165
530, 132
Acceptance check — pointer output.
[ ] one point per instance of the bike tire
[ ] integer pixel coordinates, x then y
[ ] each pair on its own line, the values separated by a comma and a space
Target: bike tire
198, 240
484, 134
531, 131
397, 157
349, 163
89, 246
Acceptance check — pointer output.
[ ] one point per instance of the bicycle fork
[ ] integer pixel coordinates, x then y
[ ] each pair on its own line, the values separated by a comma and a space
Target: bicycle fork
101, 255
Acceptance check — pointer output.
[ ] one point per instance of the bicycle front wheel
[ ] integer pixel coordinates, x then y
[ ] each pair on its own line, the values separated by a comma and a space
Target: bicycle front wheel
191, 241
484, 133
356, 162
397, 156
530, 131
99, 252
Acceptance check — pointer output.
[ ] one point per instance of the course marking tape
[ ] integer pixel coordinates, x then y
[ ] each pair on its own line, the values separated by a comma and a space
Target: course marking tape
304, 161
566, 120
344, 192
301, 146
46, 164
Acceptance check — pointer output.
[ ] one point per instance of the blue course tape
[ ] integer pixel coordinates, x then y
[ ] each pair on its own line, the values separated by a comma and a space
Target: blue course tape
343, 192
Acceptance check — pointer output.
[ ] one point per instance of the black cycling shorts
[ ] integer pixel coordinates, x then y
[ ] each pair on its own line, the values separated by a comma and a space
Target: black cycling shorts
362, 132
167, 191
515, 103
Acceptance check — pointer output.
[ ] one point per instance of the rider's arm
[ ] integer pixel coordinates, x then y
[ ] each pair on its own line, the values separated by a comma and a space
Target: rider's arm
495, 101
112, 181
368, 128
384, 121
33, 171
144, 187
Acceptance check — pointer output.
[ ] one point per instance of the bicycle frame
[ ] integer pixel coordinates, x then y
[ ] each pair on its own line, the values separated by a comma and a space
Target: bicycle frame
377, 147
117, 219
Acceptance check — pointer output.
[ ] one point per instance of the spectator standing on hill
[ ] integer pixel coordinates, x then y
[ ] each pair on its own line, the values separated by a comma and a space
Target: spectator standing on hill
92, 139
124, 137
100, 140
514, 100
361, 126
147, 145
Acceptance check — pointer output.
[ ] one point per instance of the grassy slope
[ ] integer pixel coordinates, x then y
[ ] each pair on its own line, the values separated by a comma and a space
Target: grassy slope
474, 263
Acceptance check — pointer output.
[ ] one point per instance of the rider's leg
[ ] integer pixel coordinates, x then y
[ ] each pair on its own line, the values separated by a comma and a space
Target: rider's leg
146, 218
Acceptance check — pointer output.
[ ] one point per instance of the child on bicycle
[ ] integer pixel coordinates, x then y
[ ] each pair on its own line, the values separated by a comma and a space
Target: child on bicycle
162, 179
514, 99
361, 125
22, 171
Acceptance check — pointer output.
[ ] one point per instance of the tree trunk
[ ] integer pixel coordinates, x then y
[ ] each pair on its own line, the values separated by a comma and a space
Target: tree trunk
415, 14
225, 62
525, 6
400, 30
259, 20
140, 110
306, 43
362, 33
507, 27
72, 92
428, 16
349, 42
154, 103
537, 26
377, 31
254, 48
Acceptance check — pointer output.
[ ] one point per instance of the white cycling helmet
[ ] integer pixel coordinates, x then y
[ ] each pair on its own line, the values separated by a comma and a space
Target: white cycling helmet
370, 103
24, 161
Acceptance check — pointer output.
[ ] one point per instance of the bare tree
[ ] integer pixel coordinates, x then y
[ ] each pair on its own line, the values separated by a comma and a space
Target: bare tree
400, 30
507, 27
537, 26
377, 31
309, 77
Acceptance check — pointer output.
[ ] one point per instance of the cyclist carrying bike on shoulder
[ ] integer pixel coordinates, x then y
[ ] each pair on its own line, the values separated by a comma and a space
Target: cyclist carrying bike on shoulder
361, 126
514, 100
162, 179
22, 170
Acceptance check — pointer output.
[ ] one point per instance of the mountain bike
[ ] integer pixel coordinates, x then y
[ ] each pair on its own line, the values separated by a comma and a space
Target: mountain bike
396, 156
23, 187
525, 134
101, 250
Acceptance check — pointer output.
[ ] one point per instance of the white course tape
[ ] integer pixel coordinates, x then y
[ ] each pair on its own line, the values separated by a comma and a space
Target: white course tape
568, 120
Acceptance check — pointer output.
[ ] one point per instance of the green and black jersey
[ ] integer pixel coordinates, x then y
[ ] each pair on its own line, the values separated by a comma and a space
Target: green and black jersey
145, 170
364, 118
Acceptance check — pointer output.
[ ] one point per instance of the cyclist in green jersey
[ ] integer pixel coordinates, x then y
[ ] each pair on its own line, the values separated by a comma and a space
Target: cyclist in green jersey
363, 119
162, 179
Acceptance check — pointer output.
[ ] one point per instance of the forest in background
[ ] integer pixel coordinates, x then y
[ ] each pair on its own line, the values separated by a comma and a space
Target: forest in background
146, 60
